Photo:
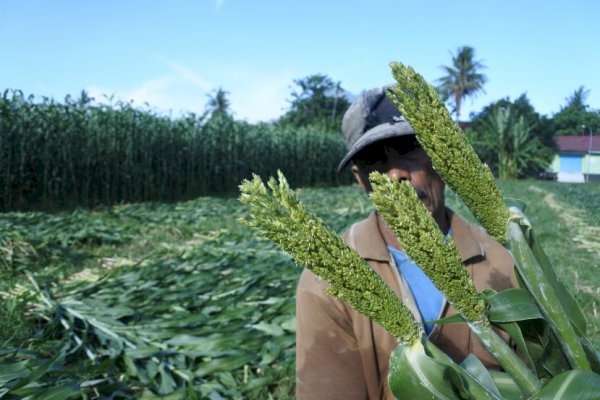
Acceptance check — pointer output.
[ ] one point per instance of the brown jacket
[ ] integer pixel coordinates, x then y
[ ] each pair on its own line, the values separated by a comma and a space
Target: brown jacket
341, 354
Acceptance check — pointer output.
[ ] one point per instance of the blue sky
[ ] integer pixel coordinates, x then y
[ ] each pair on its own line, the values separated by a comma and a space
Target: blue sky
170, 54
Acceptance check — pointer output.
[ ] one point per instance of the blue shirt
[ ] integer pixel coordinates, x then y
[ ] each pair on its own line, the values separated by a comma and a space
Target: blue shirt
428, 298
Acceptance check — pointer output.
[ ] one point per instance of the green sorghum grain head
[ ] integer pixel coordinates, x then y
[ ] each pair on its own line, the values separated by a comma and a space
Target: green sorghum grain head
422, 240
282, 218
451, 154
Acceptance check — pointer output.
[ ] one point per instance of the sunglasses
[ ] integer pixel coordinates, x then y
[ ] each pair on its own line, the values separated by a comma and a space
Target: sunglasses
376, 152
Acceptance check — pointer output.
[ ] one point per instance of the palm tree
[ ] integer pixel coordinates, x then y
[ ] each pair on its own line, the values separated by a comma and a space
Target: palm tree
463, 78
218, 103
577, 100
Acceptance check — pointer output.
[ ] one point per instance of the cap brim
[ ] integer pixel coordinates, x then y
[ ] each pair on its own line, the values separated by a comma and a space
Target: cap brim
378, 133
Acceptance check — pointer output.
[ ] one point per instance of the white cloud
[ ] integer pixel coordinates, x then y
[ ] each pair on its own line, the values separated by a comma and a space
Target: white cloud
153, 92
189, 75
261, 99
179, 91
255, 95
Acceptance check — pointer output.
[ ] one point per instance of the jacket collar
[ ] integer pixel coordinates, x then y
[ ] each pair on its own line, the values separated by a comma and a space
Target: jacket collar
371, 236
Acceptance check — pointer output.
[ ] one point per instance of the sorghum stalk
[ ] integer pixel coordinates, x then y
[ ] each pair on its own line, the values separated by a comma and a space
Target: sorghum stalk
457, 163
282, 218
542, 288
422, 240
421, 370
451, 154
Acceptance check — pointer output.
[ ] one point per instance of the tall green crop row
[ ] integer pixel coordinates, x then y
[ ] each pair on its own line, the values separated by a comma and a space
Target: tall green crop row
75, 154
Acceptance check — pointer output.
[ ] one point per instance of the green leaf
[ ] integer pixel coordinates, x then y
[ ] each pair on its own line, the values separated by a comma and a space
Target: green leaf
270, 329
553, 359
477, 370
215, 342
509, 390
413, 374
572, 309
223, 364
55, 393
514, 331
256, 383
571, 385
227, 379
269, 353
142, 352
484, 390
546, 297
93, 382
11, 371
176, 395
506, 357
167, 383
210, 390
289, 324
593, 356
151, 370
513, 305
130, 367
34, 375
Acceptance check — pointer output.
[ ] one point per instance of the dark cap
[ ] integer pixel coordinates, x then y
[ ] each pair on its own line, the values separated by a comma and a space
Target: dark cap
371, 118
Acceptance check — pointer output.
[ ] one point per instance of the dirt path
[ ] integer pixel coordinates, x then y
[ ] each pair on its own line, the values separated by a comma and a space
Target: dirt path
586, 236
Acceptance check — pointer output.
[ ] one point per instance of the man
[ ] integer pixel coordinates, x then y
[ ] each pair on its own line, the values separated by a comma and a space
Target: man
343, 354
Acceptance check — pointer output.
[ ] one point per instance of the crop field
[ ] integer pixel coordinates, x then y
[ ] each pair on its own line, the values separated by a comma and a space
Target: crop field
178, 299
62, 155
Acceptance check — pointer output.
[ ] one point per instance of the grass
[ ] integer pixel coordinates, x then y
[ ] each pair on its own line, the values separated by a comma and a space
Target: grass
566, 219
200, 294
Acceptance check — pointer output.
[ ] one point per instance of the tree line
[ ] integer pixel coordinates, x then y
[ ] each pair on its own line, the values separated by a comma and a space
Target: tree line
75, 153
509, 135
78, 152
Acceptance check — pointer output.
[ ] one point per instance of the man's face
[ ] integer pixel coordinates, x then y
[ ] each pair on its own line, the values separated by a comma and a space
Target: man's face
403, 158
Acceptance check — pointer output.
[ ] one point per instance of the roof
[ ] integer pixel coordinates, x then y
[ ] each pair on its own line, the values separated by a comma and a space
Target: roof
577, 144
464, 124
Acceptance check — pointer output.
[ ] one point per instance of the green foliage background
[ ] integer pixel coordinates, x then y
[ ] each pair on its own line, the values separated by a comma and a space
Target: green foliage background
219, 299
576, 117
527, 139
